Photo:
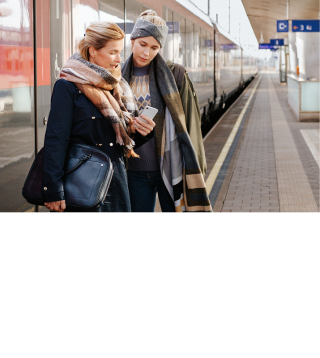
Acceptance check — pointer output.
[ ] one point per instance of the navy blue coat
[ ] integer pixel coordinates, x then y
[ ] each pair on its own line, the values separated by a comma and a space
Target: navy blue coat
74, 118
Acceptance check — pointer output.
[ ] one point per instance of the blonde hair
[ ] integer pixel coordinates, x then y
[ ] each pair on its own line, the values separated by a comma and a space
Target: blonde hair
152, 16
97, 35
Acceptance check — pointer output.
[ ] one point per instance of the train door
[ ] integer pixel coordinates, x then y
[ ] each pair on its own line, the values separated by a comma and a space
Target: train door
61, 35
25, 79
17, 135
46, 39
68, 22
113, 11
214, 69
217, 68
241, 76
42, 63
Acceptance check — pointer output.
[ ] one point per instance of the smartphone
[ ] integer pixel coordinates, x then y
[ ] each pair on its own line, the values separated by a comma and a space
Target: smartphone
149, 112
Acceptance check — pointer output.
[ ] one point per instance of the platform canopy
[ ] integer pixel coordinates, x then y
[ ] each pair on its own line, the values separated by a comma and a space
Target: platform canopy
263, 15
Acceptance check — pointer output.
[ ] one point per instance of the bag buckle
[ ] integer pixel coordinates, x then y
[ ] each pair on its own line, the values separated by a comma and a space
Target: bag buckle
85, 157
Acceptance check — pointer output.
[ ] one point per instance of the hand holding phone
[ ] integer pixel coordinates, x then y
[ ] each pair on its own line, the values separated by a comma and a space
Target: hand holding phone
148, 112
145, 129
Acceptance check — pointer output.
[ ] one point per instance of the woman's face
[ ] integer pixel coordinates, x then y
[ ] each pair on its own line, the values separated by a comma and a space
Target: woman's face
144, 50
108, 56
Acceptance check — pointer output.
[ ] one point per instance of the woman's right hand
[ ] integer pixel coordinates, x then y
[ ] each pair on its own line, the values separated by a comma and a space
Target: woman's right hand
56, 205
143, 127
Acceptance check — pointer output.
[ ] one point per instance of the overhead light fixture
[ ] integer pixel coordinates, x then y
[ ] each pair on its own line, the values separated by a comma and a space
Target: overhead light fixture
261, 39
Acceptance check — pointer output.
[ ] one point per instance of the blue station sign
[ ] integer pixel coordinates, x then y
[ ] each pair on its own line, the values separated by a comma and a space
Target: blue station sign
282, 25
208, 43
228, 47
305, 25
277, 42
173, 27
266, 47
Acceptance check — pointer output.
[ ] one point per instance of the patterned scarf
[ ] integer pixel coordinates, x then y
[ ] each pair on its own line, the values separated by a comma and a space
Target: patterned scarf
179, 165
95, 83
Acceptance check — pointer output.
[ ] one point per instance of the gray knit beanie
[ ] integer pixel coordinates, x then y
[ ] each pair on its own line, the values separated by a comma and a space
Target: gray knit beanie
144, 28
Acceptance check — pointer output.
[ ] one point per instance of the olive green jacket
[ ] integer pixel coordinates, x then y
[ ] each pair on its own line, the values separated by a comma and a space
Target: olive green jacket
193, 118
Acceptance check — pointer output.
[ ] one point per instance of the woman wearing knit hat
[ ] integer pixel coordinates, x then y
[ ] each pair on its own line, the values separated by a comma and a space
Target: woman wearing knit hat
173, 162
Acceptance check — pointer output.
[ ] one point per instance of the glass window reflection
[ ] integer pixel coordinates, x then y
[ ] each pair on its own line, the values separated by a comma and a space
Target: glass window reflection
133, 10
113, 11
168, 50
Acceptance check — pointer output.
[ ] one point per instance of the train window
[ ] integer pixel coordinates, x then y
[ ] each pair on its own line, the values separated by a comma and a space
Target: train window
16, 99
168, 50
203, 48
179, 39
113, 11
189, 46
84, 12
44, 79
202, 73
210, 49
196, 45
133, 10
60, 36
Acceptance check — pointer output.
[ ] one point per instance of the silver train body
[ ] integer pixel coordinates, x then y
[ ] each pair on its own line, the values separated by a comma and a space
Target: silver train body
38, 36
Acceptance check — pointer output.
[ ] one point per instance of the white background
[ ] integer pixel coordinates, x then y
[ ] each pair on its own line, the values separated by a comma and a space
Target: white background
159, 285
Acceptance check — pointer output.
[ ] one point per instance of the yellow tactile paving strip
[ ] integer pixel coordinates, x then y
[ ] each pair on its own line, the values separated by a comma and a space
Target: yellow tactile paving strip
216, 168
295, 194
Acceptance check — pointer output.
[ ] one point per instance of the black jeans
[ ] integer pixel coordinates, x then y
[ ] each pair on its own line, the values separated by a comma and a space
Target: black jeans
143, 187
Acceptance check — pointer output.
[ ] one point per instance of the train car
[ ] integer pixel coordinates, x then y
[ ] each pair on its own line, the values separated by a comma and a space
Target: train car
38, 36
228, 75
191, 43
249, 65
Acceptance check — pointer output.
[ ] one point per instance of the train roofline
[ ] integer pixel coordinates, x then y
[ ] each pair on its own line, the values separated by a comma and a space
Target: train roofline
224, 33
189, 5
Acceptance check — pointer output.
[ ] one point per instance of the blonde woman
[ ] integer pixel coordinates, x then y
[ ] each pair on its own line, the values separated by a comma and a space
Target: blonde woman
171, 164
91, 104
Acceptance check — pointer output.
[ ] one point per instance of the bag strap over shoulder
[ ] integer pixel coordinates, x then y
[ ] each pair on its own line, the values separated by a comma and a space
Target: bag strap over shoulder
178, 74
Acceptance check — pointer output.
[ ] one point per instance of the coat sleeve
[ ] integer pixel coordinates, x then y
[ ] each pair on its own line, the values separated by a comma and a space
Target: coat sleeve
139, 139
193, 119
56, 141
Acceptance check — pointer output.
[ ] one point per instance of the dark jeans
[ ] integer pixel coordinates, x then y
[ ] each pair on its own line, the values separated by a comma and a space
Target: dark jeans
143, 187
118, 198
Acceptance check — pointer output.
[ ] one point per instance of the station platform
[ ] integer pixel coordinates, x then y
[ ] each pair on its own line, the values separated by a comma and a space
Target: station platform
260, 158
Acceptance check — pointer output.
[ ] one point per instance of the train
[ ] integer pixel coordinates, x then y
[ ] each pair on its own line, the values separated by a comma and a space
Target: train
38, 36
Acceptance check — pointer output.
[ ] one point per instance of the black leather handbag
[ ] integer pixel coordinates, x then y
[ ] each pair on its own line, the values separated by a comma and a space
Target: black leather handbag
87, 177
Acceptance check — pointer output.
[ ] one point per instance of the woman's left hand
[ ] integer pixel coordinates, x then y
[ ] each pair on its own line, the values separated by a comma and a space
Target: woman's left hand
143, 127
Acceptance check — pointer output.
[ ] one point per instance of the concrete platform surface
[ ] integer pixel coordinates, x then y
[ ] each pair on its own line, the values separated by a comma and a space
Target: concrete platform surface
275, 164
260, 157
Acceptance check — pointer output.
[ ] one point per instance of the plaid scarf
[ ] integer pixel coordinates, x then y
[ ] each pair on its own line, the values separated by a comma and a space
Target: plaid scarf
95, 83
179, 165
